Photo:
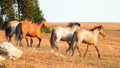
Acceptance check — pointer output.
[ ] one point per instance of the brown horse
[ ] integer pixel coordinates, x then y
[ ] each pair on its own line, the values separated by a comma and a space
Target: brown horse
27, 28
88, 37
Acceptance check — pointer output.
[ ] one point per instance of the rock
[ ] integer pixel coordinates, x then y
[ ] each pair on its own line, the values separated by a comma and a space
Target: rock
11, 50
2, 58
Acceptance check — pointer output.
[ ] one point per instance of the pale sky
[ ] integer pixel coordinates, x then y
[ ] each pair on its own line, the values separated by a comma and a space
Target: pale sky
81, 10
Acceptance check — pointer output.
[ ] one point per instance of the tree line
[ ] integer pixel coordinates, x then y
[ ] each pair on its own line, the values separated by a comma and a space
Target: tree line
19, 10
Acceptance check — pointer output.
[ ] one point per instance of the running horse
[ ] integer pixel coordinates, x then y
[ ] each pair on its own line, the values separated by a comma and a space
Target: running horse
63, 34
88, 37
27, 28
10, 30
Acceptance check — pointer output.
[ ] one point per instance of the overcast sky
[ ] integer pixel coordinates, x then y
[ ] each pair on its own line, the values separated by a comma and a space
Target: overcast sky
81, 10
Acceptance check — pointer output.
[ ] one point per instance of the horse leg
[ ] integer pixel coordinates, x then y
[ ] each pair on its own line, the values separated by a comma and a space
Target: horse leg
39, 43
97, 51
69, 43
21, 37
74, 50
79, 51
86, 51
27, 42
31, 41
10, 36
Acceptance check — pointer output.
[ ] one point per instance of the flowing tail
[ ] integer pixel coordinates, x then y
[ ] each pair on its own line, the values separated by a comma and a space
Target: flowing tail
8, 33
74, 38
53, 39
18, 31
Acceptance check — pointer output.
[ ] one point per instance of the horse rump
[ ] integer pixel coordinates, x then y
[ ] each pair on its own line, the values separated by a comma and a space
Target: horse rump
53, 39
18, 31
8, 32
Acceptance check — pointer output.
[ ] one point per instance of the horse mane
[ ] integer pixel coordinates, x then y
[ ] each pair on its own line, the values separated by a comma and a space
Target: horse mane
96, 27
71, 24
39, 20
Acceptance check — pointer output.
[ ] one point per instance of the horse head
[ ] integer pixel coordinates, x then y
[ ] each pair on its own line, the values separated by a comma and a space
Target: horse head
101, 30
42, 21
75, 25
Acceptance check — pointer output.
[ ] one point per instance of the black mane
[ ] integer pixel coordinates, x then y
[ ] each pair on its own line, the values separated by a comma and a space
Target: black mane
96, 27
71, 24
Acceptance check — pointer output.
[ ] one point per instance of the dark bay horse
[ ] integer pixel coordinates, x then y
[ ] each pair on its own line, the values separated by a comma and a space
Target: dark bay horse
88, 37
10, 30
63, 34
27, 28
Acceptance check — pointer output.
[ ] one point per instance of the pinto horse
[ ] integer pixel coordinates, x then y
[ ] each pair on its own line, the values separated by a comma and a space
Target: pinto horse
27, 28
63, 34
88, 37
10, 30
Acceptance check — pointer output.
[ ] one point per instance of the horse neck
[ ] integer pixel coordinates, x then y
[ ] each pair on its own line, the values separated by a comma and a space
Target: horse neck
39, 25
96, 32
74, 28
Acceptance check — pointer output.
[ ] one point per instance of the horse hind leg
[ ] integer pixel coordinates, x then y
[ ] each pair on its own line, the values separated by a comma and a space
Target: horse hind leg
10, 37
39, 42
27, 42
31, 41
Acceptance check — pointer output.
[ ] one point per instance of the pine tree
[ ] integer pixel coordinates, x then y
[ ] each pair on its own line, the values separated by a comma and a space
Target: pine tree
29, 9
8, 9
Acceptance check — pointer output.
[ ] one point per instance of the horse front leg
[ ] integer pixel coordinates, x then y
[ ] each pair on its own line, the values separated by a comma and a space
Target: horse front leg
79, 50
97, 51
86, 51
74, 50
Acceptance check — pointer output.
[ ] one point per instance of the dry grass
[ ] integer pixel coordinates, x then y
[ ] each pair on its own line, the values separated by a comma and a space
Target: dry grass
42, 58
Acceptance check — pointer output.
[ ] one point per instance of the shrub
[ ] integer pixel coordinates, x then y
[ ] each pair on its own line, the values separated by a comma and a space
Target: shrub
45, 30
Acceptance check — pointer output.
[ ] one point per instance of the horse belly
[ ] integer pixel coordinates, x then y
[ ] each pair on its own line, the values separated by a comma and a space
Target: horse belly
88, 41
66, 38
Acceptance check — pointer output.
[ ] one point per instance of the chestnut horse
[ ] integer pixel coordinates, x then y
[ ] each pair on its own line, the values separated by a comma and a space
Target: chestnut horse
63, 34
10, 30
27, 28
88, 37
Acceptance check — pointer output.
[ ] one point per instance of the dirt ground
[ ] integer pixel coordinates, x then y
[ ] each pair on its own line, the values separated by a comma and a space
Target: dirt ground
42, 57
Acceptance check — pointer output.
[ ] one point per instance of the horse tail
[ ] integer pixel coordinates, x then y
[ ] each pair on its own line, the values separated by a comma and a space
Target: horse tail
18, 31
8, 32
53, 39
74, 38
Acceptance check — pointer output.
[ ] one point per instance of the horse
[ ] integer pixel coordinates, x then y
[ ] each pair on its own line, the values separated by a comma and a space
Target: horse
63, 34
10, 30
88, 37
27, 28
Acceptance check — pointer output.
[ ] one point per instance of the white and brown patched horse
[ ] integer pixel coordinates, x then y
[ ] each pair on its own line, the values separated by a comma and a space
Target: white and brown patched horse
88, 37
10, 30
63, 34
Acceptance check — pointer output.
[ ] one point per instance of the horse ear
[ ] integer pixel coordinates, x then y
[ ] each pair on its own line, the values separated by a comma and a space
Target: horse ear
101, 25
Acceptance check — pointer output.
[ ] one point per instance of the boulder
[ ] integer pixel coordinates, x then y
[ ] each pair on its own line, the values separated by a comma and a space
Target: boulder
11, 50
2, 58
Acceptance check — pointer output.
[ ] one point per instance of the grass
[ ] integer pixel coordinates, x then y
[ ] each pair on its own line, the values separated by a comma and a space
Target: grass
42, 57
